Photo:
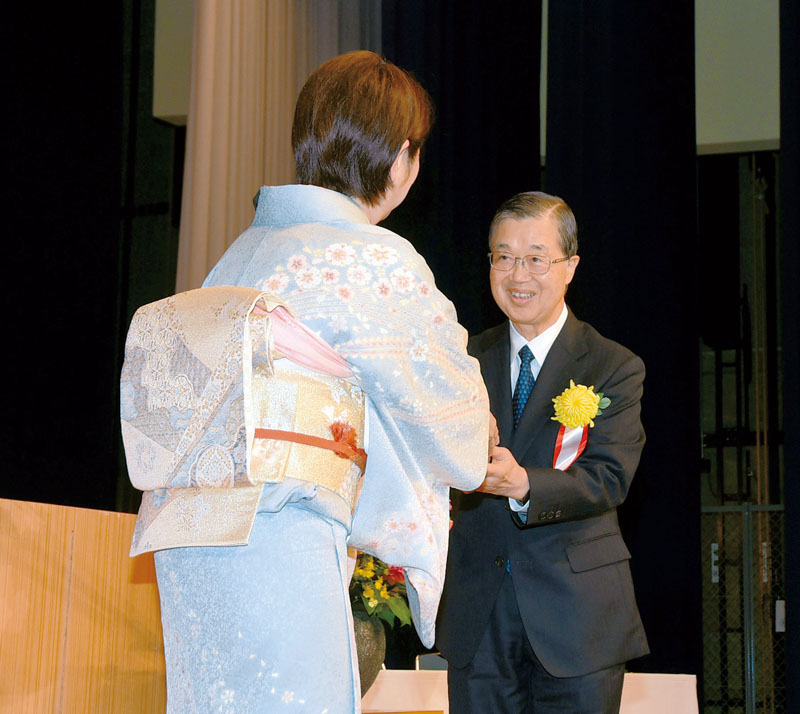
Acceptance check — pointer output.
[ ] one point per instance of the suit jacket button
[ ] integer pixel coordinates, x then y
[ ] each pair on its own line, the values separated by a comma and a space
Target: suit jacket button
499, 561
551, 515
558, 513
543, 516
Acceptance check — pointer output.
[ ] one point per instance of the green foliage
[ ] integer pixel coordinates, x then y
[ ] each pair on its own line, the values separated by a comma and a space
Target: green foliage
380, 590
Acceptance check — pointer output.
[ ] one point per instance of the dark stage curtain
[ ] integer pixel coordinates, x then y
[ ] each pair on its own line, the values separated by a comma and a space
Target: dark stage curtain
480, 63
790, 260
62, 106
621, 151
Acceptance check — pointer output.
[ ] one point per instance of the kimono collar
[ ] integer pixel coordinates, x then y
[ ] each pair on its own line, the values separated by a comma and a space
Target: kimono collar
299, 203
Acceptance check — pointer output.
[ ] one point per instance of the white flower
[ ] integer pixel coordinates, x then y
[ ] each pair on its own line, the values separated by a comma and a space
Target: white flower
338, 324
330, 276
340, 254
308, 278
358, 274
424, 288
383, 287
379, 255
403, 280
275, 283
344, 292
296, 262
419, 351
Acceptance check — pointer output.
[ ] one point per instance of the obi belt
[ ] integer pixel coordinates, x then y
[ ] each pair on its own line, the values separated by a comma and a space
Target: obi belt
223, 391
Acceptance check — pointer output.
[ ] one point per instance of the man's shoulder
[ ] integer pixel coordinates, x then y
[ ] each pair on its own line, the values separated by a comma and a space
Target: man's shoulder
480, 343
577, 336
598, 344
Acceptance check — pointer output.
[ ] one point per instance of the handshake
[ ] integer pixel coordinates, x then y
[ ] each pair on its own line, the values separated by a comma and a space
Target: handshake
504, 476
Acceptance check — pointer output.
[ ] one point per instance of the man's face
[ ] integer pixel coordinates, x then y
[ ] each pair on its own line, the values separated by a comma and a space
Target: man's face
532, 302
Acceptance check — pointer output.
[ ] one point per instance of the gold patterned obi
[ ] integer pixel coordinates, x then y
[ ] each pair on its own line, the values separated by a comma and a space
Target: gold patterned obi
310, 427
212, 410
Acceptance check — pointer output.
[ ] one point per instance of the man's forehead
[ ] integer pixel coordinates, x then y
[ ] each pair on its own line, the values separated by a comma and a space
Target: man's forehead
500, 245
533, 233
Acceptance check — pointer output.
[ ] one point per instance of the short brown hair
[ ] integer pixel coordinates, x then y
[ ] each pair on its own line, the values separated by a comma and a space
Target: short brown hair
352, 116
537, 204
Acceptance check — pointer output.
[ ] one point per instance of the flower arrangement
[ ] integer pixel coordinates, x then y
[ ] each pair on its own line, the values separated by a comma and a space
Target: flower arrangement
578, 405
379, 590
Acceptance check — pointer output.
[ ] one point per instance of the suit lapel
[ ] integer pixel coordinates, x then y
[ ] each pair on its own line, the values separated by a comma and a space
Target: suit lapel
536, 428
494, 359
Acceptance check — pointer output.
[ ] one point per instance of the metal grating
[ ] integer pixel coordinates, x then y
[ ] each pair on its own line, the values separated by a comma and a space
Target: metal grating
744, 647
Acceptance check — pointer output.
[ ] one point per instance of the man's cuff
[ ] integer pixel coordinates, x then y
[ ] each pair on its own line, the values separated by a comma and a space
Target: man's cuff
519, 506
519, 509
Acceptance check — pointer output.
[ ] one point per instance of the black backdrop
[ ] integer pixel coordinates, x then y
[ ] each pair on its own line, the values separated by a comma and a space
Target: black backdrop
62, 146
620, 150
790, 262
481, 68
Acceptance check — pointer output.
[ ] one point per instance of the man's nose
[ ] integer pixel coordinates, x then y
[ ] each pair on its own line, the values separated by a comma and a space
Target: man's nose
519, 272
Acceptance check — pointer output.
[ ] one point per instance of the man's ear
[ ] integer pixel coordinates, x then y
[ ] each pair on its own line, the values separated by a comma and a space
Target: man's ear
572, 264
400, 168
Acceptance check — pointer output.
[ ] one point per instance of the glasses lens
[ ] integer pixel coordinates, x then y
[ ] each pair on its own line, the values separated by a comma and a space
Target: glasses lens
536, 264
502, 261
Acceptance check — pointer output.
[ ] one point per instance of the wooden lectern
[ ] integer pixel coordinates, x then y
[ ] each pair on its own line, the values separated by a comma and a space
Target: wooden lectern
80, 629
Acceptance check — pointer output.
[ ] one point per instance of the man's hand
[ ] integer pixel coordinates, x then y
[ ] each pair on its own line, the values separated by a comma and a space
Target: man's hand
504, 476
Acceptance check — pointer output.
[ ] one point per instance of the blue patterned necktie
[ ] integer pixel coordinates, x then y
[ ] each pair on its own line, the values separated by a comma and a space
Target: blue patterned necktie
524, 384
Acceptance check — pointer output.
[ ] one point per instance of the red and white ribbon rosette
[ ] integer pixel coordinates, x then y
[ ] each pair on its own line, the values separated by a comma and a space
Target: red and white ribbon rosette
570, 444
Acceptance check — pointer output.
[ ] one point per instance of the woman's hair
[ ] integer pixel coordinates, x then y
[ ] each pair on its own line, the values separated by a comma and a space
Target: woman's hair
352, 116
537, 204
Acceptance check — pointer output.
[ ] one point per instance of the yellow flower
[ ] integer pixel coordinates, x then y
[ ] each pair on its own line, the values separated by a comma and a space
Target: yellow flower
366, 569
576, 406
370, 591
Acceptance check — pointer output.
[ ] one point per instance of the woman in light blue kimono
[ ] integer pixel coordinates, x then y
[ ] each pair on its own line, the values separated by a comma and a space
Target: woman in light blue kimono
326, 401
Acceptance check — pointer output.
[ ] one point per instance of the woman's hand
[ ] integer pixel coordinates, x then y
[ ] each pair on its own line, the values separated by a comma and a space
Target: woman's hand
494, 433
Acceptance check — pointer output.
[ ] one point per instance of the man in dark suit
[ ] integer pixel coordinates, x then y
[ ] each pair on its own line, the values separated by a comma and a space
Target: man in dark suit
538, 614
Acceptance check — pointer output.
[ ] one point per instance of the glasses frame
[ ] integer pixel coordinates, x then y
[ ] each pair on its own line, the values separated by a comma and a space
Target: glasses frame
523, 262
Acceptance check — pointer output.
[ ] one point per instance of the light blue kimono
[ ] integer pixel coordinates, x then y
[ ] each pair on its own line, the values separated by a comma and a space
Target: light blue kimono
368, 294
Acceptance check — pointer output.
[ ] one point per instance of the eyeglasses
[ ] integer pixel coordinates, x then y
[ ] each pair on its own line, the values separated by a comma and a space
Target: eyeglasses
533, 264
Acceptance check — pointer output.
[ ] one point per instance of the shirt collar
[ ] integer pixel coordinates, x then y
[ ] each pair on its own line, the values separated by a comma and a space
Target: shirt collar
541, 344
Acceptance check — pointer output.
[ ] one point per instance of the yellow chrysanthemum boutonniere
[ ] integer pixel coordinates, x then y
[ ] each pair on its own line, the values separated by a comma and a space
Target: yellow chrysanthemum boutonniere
578, 405
576, 408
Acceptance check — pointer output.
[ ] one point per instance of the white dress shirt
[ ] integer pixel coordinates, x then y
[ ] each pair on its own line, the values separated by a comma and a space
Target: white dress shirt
540, 346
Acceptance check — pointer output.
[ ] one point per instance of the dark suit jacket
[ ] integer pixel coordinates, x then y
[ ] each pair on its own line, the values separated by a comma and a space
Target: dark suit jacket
569, 563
